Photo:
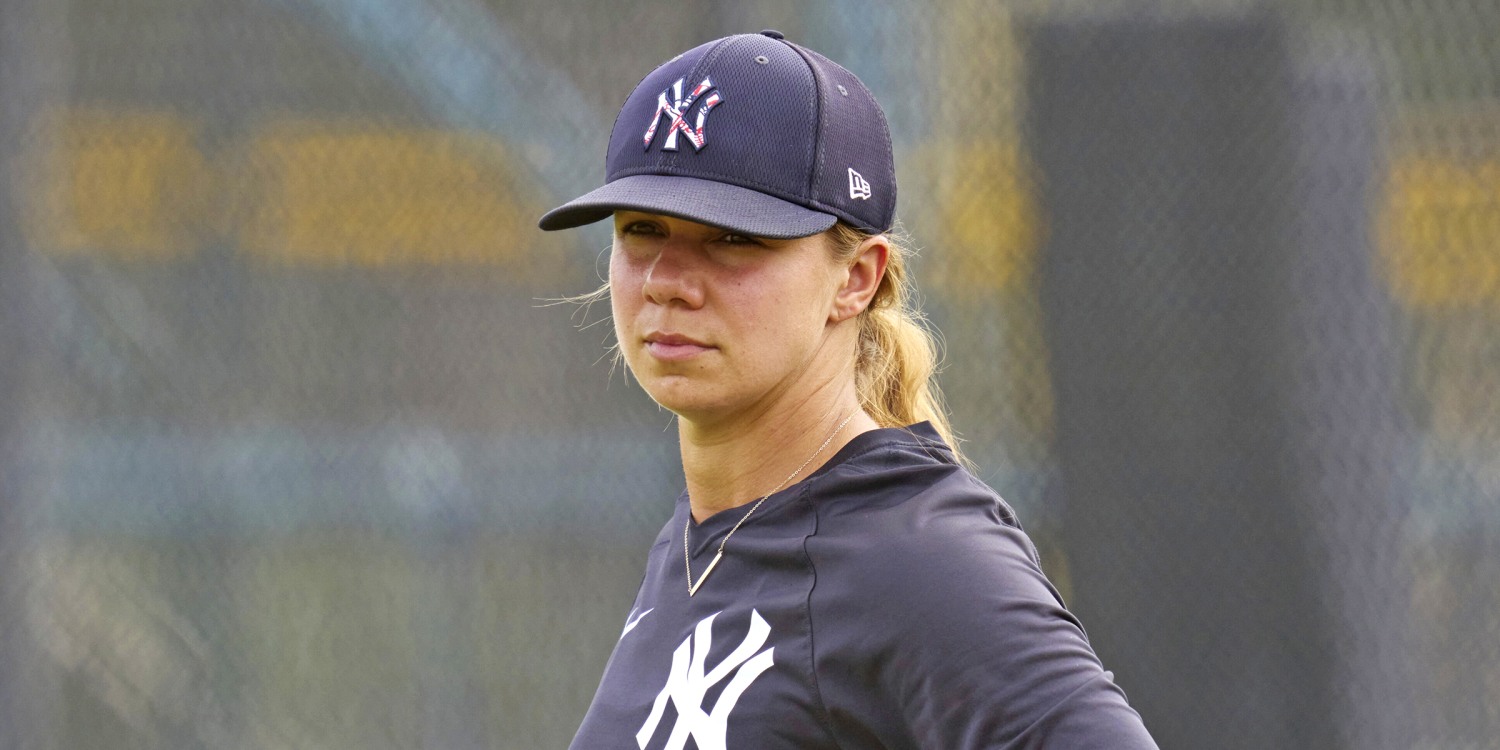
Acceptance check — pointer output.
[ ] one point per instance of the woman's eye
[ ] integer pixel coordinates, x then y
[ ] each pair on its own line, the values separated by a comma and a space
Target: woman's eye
738, 239
640, 227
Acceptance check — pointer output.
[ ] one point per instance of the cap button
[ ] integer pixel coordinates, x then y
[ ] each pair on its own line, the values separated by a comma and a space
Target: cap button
774, 34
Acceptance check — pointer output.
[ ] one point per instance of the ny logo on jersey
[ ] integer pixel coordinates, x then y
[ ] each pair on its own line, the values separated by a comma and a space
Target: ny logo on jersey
688, 682
676, 108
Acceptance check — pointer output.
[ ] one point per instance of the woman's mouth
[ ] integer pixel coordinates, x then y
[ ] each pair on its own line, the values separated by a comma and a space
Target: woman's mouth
671, 347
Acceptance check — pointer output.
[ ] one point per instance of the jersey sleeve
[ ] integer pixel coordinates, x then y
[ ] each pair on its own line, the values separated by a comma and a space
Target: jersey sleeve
948, 636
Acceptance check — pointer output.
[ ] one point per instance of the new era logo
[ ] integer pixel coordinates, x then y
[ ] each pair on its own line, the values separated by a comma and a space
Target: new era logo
858, 187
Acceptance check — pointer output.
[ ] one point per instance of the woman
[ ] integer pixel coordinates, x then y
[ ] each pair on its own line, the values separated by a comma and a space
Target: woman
832, 577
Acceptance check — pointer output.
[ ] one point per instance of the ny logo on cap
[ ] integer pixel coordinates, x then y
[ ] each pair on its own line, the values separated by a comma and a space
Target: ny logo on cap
677, 108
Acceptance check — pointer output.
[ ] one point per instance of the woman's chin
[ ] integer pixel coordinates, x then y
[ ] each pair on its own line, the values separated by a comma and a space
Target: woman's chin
692, 410
685, 399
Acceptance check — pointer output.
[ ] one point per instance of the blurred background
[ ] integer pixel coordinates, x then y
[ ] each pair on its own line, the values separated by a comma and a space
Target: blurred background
294, 453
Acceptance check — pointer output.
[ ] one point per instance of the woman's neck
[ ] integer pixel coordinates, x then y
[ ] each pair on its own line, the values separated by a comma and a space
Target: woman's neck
735, 462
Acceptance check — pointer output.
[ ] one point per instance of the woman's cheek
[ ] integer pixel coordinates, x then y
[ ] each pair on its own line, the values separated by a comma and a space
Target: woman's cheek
624, 287
623, 302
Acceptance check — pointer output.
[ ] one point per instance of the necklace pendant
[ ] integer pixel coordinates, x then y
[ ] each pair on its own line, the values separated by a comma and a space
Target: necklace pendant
693, 587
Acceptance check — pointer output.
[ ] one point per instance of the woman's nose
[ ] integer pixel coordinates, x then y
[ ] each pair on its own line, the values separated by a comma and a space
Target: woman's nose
674, 275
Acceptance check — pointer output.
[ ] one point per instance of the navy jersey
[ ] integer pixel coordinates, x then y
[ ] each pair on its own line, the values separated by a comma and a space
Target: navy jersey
888, 600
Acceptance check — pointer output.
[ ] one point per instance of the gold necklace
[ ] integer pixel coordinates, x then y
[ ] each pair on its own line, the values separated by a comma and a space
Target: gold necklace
687, 559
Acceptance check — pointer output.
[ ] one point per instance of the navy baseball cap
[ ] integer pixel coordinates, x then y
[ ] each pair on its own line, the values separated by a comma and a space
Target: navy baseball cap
750, 133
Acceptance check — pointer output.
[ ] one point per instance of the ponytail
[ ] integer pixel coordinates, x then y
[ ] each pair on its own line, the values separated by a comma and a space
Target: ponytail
895, 368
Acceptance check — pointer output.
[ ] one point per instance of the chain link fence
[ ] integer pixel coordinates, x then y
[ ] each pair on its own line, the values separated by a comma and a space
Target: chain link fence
295, 451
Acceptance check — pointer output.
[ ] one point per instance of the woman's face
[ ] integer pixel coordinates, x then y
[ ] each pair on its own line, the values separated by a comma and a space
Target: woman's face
715, 324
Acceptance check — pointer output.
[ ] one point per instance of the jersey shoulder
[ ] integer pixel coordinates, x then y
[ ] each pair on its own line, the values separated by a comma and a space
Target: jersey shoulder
909, 495
902, 528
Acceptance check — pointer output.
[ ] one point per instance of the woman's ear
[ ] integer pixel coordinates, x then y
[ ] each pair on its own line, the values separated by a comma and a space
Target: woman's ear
861, 279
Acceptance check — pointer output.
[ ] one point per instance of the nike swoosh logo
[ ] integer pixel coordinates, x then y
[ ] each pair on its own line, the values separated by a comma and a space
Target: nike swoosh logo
634, 620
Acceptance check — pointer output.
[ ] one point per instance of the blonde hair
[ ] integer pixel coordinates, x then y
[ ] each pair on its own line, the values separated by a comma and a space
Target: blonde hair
896, 365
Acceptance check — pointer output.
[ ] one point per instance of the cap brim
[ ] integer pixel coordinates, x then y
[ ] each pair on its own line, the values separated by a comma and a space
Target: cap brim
707, 202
